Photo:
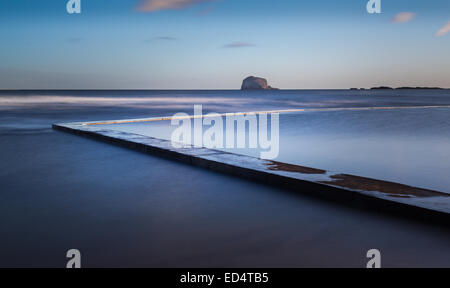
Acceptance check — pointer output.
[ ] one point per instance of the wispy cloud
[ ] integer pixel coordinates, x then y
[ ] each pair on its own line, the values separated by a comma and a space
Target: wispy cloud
444, 30
404, 17
74, 39
165, 38
206, 11
161, 38
157, 5
238, 45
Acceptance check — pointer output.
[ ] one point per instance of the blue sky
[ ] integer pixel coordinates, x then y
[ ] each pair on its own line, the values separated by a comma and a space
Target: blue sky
201, 44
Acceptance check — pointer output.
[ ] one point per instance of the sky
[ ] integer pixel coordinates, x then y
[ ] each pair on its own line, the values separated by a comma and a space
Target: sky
215, 44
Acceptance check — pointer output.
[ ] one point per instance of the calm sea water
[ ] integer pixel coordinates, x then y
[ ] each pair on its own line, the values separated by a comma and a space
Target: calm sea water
406, 145
410, 146
60, 190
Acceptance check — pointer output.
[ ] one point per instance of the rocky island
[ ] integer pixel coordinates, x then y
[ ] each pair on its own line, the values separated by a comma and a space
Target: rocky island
255, 83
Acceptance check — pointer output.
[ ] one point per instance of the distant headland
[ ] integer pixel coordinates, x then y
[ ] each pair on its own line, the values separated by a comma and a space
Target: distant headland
399, 88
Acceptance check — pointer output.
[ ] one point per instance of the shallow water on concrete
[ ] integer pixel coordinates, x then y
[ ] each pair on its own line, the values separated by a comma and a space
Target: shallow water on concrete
410, 146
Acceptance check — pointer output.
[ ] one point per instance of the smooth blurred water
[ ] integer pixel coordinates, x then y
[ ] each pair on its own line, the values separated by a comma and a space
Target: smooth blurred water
409, 146
127, 209
219, 100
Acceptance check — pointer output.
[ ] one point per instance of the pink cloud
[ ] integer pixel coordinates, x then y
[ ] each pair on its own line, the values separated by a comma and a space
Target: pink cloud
403, 17
444, 30
157, 5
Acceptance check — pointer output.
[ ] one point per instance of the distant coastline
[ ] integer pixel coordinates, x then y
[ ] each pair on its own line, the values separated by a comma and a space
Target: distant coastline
118, 91
400, 88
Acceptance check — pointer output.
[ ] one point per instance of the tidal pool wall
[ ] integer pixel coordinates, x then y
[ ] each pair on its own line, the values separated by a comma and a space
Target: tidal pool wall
359, 192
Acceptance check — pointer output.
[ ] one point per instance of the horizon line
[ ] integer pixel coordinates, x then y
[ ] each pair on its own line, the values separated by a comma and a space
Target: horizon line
201, 89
